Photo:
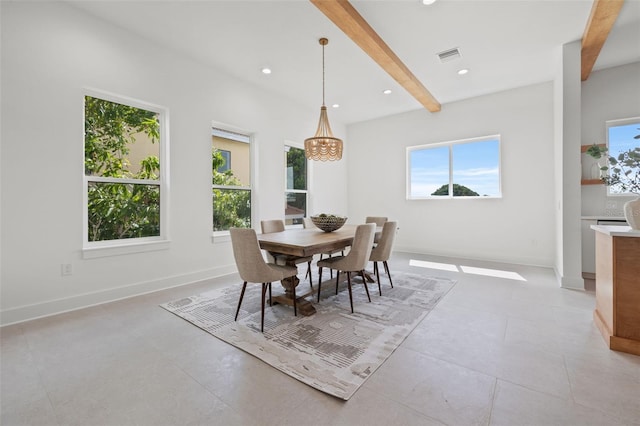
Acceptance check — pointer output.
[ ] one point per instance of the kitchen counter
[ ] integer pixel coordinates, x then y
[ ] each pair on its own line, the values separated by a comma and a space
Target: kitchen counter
618, 287
616, 231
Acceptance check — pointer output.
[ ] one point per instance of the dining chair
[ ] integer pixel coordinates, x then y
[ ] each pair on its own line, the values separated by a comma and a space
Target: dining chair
379, 221
382, 251
253, 268
307, 223
277, 225
355, 261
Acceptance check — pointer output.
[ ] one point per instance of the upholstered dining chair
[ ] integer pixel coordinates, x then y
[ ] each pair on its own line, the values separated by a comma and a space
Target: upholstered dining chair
378, 220
382, 251
307, 223
253, 268
277, 225
355, 261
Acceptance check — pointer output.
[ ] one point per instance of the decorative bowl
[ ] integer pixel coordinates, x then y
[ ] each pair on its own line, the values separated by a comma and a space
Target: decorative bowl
328, 222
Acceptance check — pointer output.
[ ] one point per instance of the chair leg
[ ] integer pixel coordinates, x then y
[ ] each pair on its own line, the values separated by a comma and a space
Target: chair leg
386, 268
264, 290
295, 305
377, 271
337, 280
244, 286
319, 282
349, 285
364, 281
270, 300
309, 273
331, 270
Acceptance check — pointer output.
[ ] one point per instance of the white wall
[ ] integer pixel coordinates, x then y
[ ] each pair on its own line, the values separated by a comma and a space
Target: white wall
609, 94
567, 97
50, 51
517, 228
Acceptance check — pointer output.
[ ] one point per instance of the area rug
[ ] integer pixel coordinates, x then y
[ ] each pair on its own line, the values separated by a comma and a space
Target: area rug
333, 350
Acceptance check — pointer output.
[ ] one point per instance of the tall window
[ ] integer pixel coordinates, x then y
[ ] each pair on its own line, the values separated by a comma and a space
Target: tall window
296, 185
465, 168
231, 182
623, 136
125, 171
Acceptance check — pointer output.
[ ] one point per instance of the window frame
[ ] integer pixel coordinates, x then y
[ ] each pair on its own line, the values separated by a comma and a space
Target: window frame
93, 249
450, 145
232, 133
617, 123
296, 191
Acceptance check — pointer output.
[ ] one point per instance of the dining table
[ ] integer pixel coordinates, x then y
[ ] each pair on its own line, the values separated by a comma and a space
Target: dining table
290, 245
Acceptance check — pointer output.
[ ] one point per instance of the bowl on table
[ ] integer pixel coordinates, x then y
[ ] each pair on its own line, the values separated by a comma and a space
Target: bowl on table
328, 222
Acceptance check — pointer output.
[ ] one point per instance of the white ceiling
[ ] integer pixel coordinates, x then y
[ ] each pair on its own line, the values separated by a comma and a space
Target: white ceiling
504, 44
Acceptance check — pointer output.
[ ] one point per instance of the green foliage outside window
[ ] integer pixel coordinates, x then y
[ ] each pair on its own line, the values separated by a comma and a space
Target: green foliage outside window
231, 207
120, 210
458, 191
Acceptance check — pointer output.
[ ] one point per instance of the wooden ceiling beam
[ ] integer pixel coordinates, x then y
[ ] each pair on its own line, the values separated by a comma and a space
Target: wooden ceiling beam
347, 18
603, 16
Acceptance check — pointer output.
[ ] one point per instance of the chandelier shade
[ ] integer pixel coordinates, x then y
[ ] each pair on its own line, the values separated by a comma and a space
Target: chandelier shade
323, 146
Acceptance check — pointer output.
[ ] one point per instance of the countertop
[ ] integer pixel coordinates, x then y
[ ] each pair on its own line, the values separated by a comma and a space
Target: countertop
616, 231
602, 218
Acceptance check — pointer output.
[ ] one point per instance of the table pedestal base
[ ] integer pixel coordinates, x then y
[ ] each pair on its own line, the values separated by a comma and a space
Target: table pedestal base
304, 306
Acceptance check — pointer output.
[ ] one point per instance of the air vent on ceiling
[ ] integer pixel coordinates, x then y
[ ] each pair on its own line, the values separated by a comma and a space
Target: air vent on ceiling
449, 55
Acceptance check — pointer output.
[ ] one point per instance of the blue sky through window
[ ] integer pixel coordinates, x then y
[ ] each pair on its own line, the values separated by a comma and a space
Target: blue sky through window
476, 165
621, 138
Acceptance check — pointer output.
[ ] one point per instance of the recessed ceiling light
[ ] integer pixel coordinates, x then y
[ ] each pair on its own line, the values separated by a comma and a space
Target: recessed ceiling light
336, 105
428, 2
463, 71
266, 70
386, 91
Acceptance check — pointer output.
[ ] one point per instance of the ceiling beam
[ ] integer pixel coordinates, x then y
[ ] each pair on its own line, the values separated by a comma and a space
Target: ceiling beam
603, 16
347, 18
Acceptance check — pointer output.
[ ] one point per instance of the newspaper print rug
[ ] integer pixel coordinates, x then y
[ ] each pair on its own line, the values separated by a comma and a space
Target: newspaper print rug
333, 350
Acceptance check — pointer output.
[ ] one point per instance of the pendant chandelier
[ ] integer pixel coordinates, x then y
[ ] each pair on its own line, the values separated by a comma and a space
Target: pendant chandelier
323, 146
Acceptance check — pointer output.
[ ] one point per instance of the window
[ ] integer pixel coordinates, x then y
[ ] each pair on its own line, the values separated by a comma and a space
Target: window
296, 185
465, 168
125, 171
226, 165
623, 136
231, 183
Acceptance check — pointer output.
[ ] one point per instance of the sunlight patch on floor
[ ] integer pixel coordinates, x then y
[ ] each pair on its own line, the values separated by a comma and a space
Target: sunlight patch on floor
433, 265
498, 273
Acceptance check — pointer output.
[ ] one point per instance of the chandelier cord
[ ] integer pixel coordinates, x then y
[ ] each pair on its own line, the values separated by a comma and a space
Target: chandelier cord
323, 74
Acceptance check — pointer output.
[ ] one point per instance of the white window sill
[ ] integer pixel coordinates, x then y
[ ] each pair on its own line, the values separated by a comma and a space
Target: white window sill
120, 249
220, 237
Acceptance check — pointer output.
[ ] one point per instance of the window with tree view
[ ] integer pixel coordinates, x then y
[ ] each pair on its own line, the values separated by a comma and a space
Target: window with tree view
466, 168
295, 208
231, 181
124, 172
623, 140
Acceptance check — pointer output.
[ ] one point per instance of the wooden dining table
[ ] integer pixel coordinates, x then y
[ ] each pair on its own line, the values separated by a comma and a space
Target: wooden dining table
299, 243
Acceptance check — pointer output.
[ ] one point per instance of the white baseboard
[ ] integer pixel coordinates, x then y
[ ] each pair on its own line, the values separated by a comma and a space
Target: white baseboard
80, 301
571, 283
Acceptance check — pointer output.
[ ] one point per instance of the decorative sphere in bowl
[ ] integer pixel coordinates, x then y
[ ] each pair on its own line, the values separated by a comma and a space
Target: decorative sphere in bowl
328, 222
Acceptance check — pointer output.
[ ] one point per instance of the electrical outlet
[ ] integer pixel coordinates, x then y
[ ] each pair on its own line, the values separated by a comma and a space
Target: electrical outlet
66, 269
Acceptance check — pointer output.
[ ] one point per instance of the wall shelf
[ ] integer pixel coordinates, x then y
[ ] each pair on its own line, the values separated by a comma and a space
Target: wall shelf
588, 163
583, 148
591, 182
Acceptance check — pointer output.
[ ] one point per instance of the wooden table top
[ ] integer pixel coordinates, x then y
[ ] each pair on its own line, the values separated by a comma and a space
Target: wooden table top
307, 242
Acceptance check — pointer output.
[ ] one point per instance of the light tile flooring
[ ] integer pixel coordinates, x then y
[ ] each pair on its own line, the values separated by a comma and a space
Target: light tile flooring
495, 351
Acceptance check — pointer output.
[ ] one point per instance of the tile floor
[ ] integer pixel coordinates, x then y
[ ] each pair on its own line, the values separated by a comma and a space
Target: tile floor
495, 351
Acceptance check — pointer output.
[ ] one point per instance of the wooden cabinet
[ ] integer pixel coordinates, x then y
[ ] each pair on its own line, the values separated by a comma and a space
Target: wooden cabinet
617, 312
